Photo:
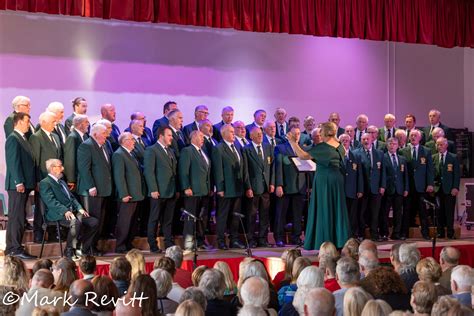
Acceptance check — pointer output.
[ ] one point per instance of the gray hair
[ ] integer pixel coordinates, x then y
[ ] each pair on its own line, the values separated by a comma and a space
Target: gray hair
355, 300
463, 275
97, 128
450, 255
79, 119
47, 116
104, 122
18, 100
389, 116
163, 281
173, 113
368, 259
376, 307
267, 123
195, 294
437, 130
251, 310
319, 302
255, 268
416, 131
122, 137
212, 284
55, 107
315, 130
311, 277
342, 136
255, 291
347, 270
227, 109
409, 256
362, 116
434, 111
175, 253
50, 163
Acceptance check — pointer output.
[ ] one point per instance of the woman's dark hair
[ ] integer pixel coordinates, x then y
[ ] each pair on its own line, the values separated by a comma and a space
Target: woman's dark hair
145, 286
291, 256
166, 264
42, 264
105, 287
68, 274
120, 269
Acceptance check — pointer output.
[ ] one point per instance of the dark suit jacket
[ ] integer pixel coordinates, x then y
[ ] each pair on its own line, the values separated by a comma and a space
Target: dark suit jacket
157, 124
60, 133
261, 172
139, 153
8, 127
374, 175
249, 127
209, 146
160, 171
178, 143
230, 174
187, 129
397, 178
68, 123
449, 176
113, 138
380, 145
94, 169
78, 311
286, 174
355, 144
220, 308
128, 178
73, 141
447, 131
354, 178
278, 135
340, 131
57, 202
194, 172
382, 134
19, 162
44, 149
147, 136
237, 143
431, 145
420, 172
278, 141
216, 131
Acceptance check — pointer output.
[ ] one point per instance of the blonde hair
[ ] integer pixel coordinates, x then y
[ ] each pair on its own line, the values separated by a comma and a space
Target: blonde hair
355, 300
228, 277
376, 308
428, 270
328, 129
328, 249
14, 274
197, 274
189, 308
351, 249
242, 267
298, 266
137, 261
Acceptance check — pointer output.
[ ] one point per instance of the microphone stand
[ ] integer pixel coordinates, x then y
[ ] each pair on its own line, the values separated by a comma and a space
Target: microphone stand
248, 251
434, 207
194, 219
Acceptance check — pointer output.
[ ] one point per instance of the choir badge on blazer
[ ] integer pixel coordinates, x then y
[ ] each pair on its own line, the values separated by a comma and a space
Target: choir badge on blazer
354, 166
379, 164
450, 167
423, 160
269, 160
402, 168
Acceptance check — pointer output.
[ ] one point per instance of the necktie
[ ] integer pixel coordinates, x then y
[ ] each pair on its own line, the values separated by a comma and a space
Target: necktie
52, 140
441, 163
413, 155
360, 134
180, 135
389, 134
273, 142
85, 137
259, 152
105, 153
369, 157
394, 161
63, 185
235, 152
140, 141
431, 130
282, 132
170, 154
202, 156
244, 141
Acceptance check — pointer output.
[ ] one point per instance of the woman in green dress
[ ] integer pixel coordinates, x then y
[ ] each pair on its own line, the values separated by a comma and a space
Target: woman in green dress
327, 214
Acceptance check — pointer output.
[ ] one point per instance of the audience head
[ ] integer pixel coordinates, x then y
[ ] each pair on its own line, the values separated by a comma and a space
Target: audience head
228, 133
21, 104
253, 267
227, 115
449, 257
311, 277
280, 115
228, 277
137, 261
99, 133
462, 278
354, 301
64, 272
108, 112
165, 136
121, 269
201, 112
383, 280
145, 286
166, 264
334, 117
47, 121
361, 122
428, 270
409, 256
42, 279
197, 274
319, 302
255, 291
368, 261
328, 249
107, 293
347, 271
78, 291
163, 281
395, 256
14, 274
189, 308
42, 264
328, 267
434, 116
212, 284
176, 254
79, 105
87, 264
260, 116
270, 128
195, 294
81, 123
351, 249
168, 107
376, 308
239, 129
175, 118
298, 266
443, 305
423, 296
289, 260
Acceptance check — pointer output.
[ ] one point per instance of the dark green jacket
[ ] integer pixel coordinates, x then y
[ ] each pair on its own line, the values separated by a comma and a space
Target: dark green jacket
128, 178
8, 127
94, 170
68, 123
56, 200
261, 172
73, 141
420, 172
431, 145
20, 162
230, 174
160, 171
448, 177
286, 174
381, 136
44, 149
194, 172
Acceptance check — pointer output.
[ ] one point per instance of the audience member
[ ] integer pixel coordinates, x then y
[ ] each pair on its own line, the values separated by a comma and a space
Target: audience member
107, 294
167, 264
442, 306
212, 285
310, 278
87, 266
7, 291
64, 272
189, 308
376, 308
78, 293
230, 286
42, 264
348, 276
328, 266
195, 294
429, 270
355, 301
423, 296
351, 249
448, 259
368, 244
319, 302
142, 286
137, 261
164, 283
14, 274
409, 257
182, 277
368, 261
462, 279
197, 274
121, 274
328, 249
284, 277
255, 292
286, 293
250, 310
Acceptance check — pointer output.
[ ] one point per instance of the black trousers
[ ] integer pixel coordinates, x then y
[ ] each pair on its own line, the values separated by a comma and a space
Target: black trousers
16, 220
161, 210
95, 205
258, 204
370, 205
110, 211
415, 203
225, 214
447, 204
405, 217
352, 211
37, 217
396, 202
141, 214
196, 205
125, 223
296, 203
81, 228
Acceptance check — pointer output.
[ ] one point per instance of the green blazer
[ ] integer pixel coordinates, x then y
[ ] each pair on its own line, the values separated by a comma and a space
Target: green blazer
128, 178
93, 169
73, 141
286, 174
20, 163
261, 172
8, 127
56, 200
448, 177
44, 149
194, 172
160, 171
230, 175
381, 136
68, 123
431, 145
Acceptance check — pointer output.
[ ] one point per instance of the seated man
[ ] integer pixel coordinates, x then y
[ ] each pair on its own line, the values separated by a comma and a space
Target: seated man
61, 205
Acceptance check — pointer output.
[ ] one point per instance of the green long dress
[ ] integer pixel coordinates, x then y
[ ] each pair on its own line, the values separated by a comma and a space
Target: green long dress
327, 213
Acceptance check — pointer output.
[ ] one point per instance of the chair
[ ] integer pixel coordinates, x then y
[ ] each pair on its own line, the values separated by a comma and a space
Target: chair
45, 226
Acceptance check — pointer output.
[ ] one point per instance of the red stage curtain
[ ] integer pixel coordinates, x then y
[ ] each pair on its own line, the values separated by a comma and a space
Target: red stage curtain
445, 23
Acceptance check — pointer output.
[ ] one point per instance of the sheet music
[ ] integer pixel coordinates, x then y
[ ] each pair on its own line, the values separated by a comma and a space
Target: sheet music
304, 165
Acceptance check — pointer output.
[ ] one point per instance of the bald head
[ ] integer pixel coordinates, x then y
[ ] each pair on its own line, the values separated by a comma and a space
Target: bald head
368, 244
108, 112
449, 257
78, 290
